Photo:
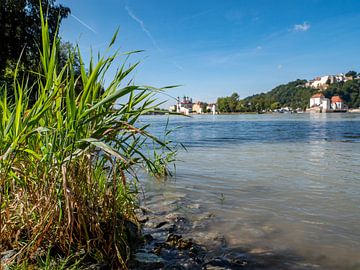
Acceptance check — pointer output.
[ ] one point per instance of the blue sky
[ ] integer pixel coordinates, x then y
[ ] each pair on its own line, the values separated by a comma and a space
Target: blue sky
213, 48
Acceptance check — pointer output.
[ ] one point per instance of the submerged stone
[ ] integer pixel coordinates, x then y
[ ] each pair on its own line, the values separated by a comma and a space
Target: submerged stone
159, 225
217, 263
146, 260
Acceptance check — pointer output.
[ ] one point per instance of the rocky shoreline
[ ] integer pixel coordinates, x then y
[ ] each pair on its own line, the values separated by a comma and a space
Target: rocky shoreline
164, 245
170, 240
174, 235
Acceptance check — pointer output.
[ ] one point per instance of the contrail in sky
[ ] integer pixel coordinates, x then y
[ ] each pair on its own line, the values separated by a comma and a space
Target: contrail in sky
84, 24
142, 25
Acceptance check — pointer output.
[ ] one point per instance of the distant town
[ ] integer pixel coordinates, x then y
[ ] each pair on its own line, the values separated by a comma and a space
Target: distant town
323, 94
187, 106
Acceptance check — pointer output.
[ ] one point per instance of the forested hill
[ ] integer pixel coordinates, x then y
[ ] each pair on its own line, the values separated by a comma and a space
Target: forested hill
293, 94
349, 91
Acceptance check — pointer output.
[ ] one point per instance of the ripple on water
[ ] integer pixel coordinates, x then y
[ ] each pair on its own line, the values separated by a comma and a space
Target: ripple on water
297, 175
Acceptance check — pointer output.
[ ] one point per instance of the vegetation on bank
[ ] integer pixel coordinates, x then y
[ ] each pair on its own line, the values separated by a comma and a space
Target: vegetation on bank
69, 159
349, 91
293, 94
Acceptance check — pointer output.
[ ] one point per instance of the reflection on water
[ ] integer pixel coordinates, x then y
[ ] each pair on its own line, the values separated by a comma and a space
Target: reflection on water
276, 182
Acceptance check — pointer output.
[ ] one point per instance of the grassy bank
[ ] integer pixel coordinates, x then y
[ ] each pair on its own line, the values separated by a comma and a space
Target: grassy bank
68, 161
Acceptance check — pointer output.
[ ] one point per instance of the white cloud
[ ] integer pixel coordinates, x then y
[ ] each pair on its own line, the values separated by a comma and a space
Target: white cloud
301, 27
142, 25
280, 66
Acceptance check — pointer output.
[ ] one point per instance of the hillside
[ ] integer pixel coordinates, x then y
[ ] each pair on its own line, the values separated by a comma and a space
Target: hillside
349, 91
293, 94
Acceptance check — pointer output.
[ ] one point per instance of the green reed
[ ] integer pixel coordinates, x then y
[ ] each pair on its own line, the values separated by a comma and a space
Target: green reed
68, 161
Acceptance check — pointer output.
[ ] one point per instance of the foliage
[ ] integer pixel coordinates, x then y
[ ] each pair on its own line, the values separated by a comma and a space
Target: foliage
68, 162
351, 74
228, 104
292, 94
349, 91
20, 35
20, 28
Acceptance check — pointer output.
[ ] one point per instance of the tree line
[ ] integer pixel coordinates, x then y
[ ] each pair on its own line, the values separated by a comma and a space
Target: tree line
20, 35
293, 94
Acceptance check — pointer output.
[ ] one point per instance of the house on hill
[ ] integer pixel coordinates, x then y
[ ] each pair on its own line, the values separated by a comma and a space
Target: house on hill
323, 82
319, 103
337, 103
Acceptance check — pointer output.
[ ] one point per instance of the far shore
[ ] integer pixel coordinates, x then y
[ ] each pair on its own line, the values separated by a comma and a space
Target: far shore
253, 113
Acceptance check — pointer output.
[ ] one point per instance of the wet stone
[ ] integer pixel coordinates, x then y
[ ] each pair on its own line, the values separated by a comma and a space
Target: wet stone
194, 206
144, 220
172, 216
148, 261
165, 246
148, 238
217, 263
159, 225
240, 261
212, 239
174, 266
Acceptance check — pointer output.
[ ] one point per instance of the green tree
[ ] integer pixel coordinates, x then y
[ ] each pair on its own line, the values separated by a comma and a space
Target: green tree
233, 101
228, 104
203, 107
293, 94
222, 104
349, 91
351, 74
275, 105
20, 31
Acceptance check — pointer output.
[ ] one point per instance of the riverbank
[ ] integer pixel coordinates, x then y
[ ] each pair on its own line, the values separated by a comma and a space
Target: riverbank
176, 236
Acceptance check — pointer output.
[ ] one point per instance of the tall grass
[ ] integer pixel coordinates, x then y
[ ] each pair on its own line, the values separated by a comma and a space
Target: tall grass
68, 162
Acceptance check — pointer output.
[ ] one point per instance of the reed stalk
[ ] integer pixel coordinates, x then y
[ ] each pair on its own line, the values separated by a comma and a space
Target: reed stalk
68, 161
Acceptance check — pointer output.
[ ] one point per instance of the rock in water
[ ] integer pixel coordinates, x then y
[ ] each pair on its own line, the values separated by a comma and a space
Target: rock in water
148, 261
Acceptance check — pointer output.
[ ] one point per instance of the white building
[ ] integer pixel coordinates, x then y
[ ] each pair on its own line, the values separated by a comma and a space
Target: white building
172, 108
324, 81
184, 106
319, 102
212, 107
337, 103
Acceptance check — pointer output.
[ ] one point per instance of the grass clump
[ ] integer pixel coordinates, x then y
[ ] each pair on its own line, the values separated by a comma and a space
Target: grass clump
68, 161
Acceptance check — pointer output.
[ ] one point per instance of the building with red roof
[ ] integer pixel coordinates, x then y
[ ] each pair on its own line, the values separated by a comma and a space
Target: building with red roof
319, 102
337, 103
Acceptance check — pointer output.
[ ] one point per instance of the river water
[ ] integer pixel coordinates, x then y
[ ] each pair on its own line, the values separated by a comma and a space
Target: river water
280, 183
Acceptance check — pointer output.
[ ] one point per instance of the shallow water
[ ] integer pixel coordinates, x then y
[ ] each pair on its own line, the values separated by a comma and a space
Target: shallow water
283, 183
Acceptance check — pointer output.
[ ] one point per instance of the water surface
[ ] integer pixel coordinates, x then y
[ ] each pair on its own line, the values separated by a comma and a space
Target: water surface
283, 183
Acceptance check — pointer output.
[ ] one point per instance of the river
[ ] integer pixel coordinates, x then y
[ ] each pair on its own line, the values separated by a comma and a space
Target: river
288, 184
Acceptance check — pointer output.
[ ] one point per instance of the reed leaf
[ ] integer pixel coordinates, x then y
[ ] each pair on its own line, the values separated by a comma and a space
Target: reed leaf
63, 158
